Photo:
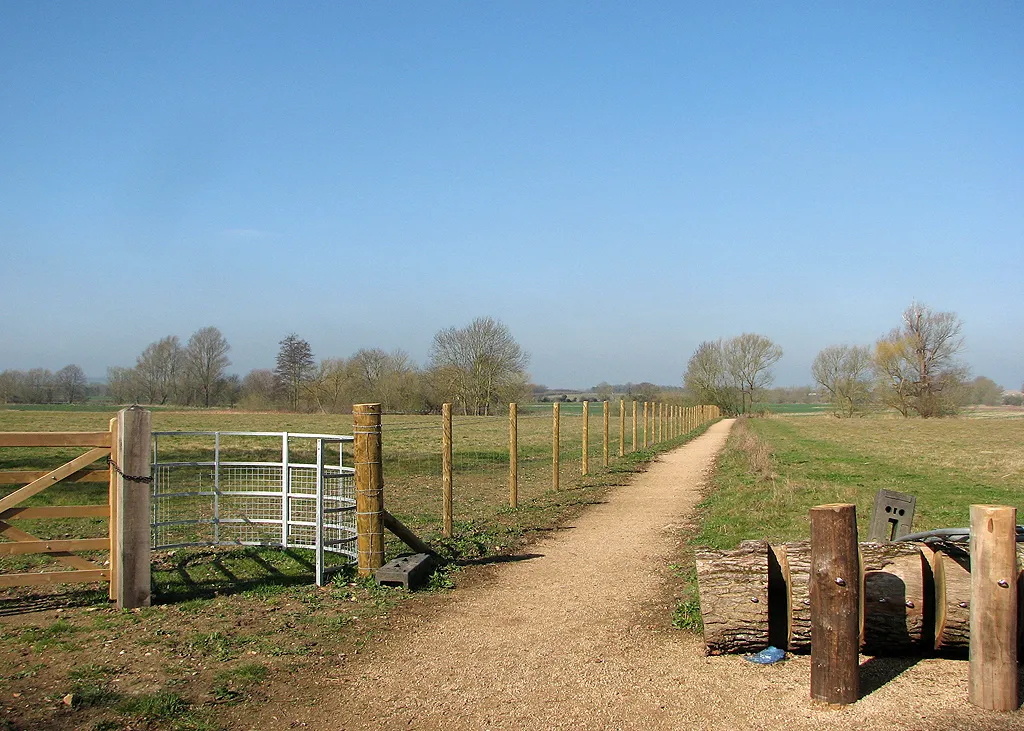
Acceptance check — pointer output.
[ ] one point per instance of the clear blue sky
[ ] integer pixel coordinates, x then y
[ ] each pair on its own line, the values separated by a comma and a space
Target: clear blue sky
615, 181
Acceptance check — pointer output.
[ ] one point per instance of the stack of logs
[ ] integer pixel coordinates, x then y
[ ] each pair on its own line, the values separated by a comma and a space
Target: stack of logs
915, 597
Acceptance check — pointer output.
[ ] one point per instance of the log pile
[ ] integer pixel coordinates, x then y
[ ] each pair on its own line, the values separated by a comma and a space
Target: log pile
915, 597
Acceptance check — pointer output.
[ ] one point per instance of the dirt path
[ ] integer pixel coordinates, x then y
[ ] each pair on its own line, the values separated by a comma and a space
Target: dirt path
567, 640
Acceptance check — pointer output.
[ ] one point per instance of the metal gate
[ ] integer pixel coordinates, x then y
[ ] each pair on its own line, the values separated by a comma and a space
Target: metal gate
254, 489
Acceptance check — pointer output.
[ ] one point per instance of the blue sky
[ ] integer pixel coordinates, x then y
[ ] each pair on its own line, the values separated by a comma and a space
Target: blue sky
615, 182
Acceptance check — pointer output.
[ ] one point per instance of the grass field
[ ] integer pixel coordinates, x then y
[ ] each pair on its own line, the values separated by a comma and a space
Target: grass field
231, 625
774, 470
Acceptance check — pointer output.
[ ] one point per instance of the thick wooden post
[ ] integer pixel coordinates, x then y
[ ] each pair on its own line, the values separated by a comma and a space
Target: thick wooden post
585, 469
622, 427
647, 408
369, 487
554, 447
605, 433
446, 470
133, 450
835, 604
634, 426
513, 455
993, 672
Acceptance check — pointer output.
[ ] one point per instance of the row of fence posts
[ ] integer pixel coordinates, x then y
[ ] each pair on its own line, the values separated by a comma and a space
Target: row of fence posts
661, 422
836, 599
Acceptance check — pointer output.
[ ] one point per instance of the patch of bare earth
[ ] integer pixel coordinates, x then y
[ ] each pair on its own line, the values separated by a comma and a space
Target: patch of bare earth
566, 638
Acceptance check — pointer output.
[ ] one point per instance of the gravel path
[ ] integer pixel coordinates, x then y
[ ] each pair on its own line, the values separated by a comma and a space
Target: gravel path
576, 638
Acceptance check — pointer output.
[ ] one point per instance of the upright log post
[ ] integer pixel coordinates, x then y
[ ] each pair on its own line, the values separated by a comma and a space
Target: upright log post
554, 447
835, 604
622, 427
513, 455
133, 468
586, 438
634, 426
369, 487
647, 408
605, 433
446, 470
993, 672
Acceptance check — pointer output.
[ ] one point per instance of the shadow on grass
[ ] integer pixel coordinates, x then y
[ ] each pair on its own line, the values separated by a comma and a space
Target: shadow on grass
62, 598
182, 576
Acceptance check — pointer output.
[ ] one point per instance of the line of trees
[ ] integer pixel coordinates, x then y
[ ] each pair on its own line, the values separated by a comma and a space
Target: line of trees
42, 386
167, 372
730, 373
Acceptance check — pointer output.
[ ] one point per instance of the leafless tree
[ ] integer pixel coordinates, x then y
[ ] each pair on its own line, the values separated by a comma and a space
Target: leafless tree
916, 365
707, 380
748, 360
294, 368
480, 365
158, 370
844, 371
71, 383
206, 358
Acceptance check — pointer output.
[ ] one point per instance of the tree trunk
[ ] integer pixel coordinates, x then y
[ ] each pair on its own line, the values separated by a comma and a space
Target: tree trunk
734, 598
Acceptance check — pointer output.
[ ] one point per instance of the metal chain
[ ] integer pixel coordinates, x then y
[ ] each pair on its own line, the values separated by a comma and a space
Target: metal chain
130, 478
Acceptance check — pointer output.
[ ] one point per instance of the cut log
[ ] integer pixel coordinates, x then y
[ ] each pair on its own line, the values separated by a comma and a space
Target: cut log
896, 598
733, 588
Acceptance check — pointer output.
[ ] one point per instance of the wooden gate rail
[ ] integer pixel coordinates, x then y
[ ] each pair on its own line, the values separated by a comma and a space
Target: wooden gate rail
22, 543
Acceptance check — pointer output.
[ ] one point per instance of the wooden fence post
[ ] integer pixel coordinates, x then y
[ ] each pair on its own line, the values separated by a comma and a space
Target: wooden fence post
605, 433
622, 427
369, 487
646, 410
554, 447
993, 672
112, 502
634, 426
446, 470
134, 450
835, 604
513, 455
586, 438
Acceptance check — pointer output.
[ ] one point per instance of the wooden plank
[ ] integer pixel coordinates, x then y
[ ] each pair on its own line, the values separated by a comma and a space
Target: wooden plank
23, 477
112, 501
68, 559
51, 478
54, 577
55, 439
45, 512
20, 548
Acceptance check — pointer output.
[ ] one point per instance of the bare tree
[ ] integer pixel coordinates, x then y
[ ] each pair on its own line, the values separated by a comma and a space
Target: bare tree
707, 380
844, 371
748, 361
205, 360
294, 368
71, 383
158, 370
480, 365
985, 391
916, 365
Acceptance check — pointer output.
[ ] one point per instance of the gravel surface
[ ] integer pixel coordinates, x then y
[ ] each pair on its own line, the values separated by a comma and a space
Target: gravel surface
575, 636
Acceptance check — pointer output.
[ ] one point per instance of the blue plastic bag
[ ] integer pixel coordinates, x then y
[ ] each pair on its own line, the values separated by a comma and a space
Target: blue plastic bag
767, 656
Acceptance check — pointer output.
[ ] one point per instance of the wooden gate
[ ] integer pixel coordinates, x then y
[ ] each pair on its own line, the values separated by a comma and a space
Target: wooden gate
101, 446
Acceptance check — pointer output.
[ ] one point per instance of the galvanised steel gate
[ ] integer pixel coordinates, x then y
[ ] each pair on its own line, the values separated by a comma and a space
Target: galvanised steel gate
254, 489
